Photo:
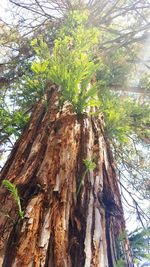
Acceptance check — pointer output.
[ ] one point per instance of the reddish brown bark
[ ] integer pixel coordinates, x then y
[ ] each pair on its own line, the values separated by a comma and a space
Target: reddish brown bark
61, 228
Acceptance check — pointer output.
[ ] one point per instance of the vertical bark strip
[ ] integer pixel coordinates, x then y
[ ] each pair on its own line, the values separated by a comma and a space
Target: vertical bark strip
61, 228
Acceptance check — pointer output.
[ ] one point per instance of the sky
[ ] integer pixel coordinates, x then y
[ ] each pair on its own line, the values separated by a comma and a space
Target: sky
4, 11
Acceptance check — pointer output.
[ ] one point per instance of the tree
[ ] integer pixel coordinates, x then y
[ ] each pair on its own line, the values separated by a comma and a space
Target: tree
62, 165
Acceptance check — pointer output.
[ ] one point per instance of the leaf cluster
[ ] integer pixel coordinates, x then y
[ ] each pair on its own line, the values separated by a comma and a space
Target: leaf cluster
139, 241
71, 64
12, 121
117, 67
124, 116
90, 165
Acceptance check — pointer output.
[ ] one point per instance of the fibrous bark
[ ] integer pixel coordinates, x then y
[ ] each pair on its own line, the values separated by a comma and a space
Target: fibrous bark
62, 228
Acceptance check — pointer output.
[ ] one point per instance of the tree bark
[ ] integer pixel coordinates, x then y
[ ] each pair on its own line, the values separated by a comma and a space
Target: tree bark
73, 216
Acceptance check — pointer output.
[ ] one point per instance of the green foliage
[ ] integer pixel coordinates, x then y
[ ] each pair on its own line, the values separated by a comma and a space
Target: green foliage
117, 121
12, 122
140, 118
116, 68
122, 236
120, 263
120, 248
71, 65
145, 81
90, 166
13, 190
139, 242
124, 116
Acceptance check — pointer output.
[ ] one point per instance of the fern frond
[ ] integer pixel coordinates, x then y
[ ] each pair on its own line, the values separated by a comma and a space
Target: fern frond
13, 190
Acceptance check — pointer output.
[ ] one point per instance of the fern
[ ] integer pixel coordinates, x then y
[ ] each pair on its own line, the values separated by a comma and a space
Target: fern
13, 190
72, 63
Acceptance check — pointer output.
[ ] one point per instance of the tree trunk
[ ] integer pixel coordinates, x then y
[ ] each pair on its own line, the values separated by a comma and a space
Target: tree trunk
73, 216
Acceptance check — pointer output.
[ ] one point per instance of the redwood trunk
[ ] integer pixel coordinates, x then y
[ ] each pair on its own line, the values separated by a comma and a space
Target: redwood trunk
61, 228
